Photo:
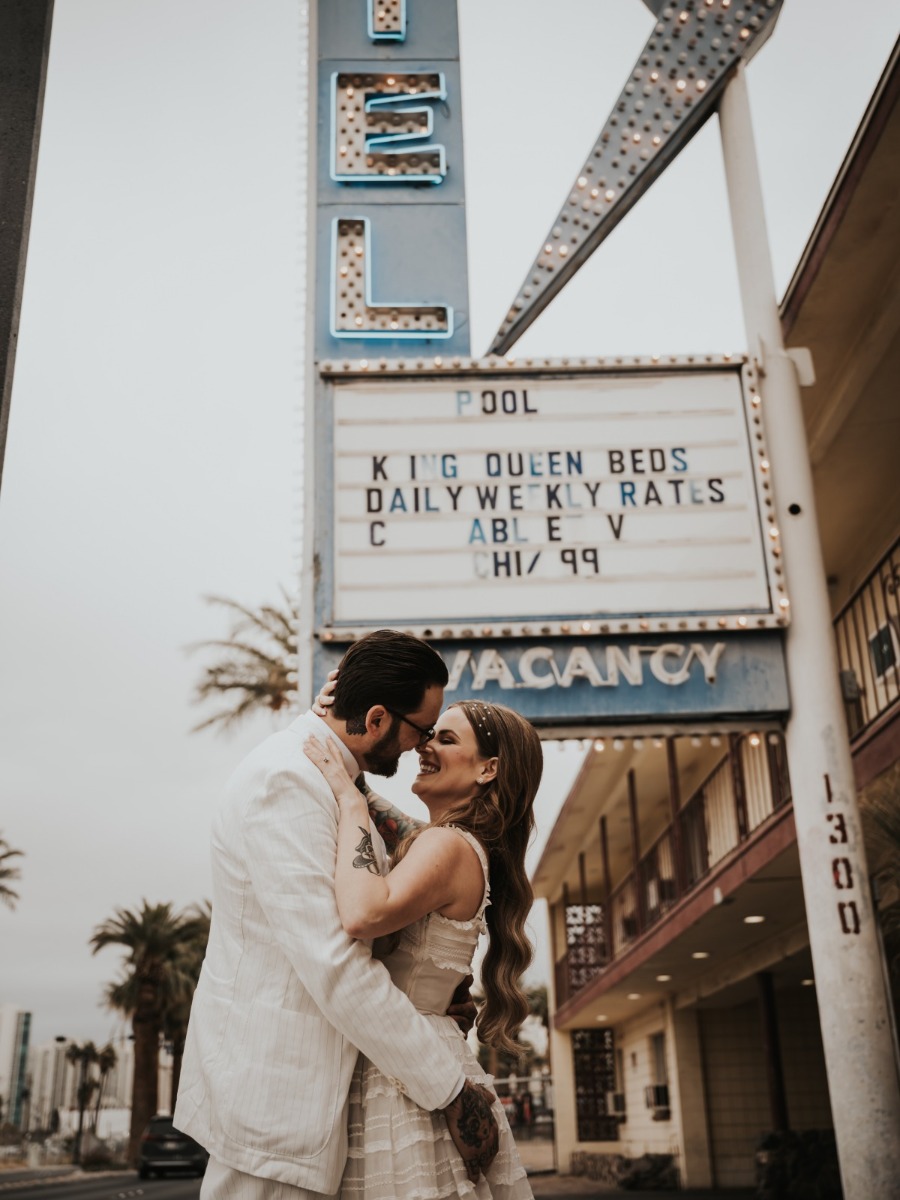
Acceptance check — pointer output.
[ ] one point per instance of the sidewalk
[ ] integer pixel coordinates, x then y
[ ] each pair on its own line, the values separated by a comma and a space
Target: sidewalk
561, 1187
537, 1156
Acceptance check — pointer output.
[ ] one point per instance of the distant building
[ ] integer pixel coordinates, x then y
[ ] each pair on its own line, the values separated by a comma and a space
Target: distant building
683, 1009
53, 1082
51, 1078
14, 1030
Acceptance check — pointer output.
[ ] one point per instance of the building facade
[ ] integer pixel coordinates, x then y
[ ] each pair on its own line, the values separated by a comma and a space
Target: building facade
15, 1025
684, 1008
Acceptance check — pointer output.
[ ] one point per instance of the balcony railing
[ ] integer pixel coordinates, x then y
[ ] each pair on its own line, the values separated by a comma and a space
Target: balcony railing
868, 643
745, 788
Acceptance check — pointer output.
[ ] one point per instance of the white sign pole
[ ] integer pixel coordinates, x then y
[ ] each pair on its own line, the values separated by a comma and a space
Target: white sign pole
853, 1007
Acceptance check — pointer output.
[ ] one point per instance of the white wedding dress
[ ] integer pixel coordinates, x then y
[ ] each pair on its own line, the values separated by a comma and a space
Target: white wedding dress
399, 1151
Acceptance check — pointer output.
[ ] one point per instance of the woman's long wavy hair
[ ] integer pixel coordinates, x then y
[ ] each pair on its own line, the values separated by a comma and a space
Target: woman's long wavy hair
501, 817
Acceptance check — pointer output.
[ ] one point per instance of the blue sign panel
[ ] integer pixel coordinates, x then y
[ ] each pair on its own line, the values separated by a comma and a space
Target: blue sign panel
391, 232
593, 680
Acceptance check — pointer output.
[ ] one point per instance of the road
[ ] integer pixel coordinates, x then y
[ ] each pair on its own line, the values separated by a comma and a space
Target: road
61, 1184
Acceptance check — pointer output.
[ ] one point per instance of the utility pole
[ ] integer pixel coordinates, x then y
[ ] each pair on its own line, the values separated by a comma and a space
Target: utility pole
853, 1004
24, 47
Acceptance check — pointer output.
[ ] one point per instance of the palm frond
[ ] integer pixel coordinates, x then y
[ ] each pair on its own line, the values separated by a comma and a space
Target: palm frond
254, 670
8, 873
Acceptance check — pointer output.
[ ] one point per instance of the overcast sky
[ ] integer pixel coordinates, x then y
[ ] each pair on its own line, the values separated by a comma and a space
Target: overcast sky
152, 455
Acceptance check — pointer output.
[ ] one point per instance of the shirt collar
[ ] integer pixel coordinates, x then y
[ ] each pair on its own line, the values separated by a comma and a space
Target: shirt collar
324, 731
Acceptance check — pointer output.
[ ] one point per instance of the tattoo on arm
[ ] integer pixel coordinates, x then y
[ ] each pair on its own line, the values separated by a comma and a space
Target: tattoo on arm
391, 823
365, 853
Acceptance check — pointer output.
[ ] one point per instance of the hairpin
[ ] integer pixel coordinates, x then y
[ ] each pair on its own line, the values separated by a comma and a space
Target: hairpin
479, 720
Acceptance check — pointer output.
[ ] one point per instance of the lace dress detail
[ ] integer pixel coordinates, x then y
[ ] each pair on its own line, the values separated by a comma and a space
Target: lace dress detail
444, 942
397, 1150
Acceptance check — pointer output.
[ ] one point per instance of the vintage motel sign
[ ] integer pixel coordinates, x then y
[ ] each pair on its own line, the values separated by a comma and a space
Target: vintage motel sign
598, 540
390, 196
591, 543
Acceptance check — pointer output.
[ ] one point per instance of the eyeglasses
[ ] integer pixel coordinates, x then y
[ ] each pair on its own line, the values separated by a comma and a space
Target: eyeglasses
425, 733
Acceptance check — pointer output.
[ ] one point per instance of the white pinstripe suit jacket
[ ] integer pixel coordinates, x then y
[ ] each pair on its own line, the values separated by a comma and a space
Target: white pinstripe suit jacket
285, 995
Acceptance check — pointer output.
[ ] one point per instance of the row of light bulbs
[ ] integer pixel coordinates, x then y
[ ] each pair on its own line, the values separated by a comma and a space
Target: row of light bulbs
493, 362
696, 740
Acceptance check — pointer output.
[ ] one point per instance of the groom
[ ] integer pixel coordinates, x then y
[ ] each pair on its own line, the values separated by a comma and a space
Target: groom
286, 997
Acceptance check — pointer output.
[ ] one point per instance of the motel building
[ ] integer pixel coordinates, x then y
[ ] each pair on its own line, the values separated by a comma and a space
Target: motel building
684, 1010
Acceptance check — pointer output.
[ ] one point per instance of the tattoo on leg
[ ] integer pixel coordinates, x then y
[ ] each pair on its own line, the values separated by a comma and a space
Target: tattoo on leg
365, 853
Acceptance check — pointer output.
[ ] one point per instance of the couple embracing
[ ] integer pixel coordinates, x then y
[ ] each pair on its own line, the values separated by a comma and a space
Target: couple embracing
321, 1058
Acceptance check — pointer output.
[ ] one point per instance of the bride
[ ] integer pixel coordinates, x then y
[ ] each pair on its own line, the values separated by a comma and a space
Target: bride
459, 875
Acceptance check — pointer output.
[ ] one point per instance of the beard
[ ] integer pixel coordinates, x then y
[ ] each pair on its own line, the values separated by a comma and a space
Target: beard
384, 758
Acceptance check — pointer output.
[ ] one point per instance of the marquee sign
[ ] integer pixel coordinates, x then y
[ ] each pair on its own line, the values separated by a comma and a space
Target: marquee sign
547, 501
589, 541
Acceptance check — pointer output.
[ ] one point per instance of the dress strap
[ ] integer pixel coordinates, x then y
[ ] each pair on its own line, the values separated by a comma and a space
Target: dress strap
483, 859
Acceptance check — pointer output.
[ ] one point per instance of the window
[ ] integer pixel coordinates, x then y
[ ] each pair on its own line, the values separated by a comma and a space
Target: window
595, 1076
657, 1094
585, 944
658, 1058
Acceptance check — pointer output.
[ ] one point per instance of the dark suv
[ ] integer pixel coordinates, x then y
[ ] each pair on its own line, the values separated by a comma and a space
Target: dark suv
165, 1148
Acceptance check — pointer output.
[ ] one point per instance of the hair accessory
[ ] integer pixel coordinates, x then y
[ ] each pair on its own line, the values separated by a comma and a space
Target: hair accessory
485, 711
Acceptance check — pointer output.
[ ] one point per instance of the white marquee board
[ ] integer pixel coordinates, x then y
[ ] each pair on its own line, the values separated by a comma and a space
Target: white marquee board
542, 497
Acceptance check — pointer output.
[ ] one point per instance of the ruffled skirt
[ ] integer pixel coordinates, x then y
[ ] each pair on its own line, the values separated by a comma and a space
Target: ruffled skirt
399, 1151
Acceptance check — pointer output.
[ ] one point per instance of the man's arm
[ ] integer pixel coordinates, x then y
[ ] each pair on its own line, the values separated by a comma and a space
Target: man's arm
392, 823
289, 827
290, 834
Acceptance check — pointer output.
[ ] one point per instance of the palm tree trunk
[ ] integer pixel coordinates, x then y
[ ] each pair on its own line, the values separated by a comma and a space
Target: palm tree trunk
97, 1105
82, 1098
177, 1056
145, 1091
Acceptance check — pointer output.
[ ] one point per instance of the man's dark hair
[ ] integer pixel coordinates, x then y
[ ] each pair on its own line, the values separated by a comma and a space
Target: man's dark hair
389, 668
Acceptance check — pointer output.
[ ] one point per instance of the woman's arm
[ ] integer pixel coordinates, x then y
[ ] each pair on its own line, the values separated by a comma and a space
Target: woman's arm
436, 874
391, 823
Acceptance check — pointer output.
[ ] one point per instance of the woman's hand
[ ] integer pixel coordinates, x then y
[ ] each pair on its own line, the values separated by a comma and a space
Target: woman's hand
329, 761
325, 698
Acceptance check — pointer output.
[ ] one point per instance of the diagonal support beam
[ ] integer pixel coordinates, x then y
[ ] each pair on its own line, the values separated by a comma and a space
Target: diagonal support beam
673, 89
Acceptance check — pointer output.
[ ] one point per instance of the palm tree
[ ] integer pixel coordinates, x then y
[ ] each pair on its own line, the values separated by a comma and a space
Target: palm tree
106, 1060
84, 1055
256, 667
154, 938
7, 873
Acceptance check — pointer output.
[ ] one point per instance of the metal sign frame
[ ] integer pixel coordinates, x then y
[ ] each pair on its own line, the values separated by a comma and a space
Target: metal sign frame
569, 619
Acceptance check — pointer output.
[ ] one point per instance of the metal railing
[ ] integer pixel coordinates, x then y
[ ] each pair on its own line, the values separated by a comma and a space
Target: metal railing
743, 790
867, 630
